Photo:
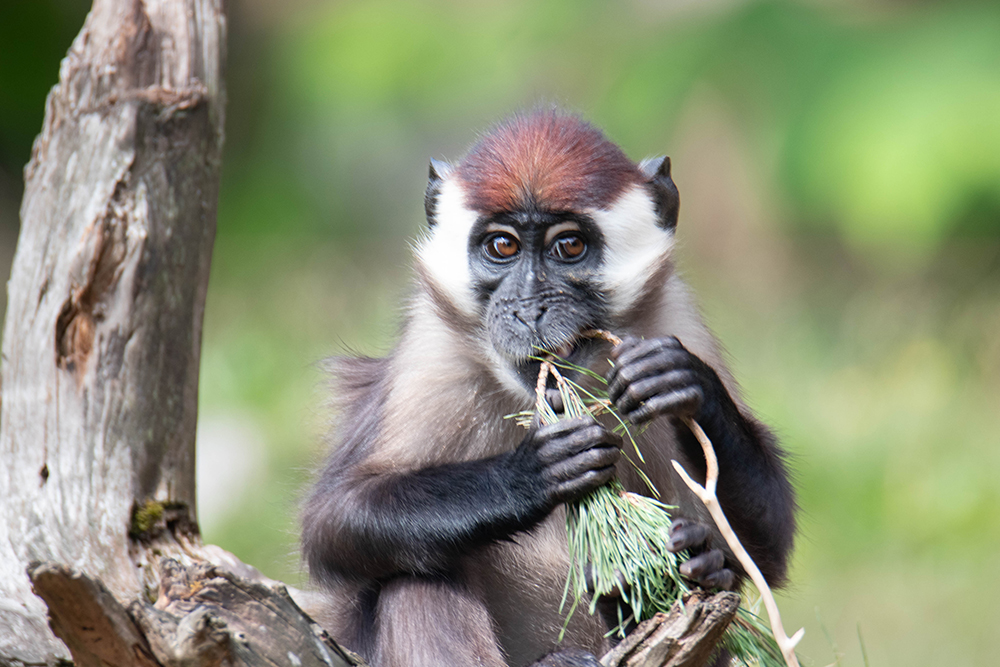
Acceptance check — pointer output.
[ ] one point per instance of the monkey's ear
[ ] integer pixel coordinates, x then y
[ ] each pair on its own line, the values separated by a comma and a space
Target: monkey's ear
438, 170
662, 188
436, 173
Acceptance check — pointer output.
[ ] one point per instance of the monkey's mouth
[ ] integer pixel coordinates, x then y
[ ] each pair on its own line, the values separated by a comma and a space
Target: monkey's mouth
573, 358
565, 350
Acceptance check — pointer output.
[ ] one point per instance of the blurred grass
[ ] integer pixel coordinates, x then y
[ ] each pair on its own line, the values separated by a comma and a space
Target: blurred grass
839, 165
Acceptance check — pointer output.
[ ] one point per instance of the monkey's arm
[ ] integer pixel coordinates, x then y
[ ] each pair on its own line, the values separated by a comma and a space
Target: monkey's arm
365, 524
660, 377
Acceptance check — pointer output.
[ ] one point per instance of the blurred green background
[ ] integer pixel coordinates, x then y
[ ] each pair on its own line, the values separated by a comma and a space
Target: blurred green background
839, 168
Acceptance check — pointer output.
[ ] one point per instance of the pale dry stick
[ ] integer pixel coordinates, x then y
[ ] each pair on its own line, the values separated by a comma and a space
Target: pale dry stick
543, 378
603, 335
707, 495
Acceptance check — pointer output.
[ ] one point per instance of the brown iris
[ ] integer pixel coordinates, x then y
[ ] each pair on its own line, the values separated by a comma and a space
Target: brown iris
569, 247
502, 246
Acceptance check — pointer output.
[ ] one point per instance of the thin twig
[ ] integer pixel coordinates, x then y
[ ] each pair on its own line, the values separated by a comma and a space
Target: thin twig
603, 335
707, 495
543, 378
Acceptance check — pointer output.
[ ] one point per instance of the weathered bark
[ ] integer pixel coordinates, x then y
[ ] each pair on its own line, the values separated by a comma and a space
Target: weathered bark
203, 617
86, 616
103, 329
686, 637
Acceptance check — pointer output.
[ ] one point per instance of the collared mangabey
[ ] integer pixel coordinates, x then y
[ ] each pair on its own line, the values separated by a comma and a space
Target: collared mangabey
437, 524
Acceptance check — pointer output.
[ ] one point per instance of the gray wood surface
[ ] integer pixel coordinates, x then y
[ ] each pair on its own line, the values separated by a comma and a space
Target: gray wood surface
204, 616
686, 637
102, 334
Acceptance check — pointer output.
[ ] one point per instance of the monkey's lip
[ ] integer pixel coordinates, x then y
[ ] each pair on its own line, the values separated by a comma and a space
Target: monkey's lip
565, 350
576, 352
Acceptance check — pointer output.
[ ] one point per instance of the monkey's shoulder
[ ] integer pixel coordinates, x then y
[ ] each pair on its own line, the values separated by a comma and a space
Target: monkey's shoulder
355, 374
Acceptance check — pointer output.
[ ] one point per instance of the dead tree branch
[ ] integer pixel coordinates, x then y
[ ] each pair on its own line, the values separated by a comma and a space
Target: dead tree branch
686, 637
203, 617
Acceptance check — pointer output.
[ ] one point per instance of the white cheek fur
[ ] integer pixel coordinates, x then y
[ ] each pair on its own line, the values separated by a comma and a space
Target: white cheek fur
634, 243
444, 250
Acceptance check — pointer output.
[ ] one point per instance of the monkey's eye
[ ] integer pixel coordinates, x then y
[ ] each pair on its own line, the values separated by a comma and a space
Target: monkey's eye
568, 247
502, 247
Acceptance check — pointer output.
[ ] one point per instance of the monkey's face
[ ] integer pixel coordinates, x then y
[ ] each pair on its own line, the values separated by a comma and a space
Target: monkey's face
544, 230
536, 277
528, 280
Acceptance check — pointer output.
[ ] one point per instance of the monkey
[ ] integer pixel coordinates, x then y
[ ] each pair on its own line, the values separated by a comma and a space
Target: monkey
437, 525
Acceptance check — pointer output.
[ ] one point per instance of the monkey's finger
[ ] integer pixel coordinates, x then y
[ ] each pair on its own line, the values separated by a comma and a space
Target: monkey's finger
626, 355
645, 388
685, 534
563, 426
584, 484
724, 579
623, 376
685, 401
628, 342
630, 351
656, 355
575, 442
703, 564
595, 458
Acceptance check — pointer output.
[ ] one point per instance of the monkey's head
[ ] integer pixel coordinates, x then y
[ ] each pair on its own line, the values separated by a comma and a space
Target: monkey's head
544, 230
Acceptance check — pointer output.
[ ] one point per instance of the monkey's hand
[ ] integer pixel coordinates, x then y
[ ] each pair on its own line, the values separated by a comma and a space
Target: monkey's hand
707, 567
659, 376
568, 459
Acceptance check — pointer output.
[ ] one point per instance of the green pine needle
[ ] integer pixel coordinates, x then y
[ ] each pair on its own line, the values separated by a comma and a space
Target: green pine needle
622, 536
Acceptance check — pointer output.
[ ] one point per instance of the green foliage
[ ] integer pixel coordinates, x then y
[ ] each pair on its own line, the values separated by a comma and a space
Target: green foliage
920, 157
614, 536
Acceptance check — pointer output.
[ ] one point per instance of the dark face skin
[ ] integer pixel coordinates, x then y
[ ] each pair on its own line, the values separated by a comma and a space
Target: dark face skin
535, 274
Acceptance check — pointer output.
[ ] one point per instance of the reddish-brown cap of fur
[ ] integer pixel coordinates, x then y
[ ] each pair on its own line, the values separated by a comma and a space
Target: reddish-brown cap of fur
545, 160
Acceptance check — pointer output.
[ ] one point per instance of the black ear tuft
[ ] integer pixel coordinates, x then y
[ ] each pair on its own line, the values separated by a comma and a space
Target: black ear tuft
436, 173
662, 188
439, 169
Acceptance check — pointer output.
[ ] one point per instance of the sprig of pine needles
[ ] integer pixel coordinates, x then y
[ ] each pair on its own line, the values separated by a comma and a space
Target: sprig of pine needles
617, 536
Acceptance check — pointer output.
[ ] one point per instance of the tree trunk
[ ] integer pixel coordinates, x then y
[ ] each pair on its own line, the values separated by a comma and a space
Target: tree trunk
103, 329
